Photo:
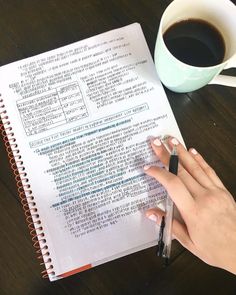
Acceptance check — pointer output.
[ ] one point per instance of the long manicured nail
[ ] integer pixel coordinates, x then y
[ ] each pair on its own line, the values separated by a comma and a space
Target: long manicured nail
157, 142
193, 151
152, 217
146, 167
174, 141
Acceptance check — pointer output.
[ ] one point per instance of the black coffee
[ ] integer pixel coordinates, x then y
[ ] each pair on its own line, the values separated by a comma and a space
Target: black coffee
195, 42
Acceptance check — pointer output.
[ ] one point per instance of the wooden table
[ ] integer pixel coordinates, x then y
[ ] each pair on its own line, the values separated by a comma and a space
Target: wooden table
206, 119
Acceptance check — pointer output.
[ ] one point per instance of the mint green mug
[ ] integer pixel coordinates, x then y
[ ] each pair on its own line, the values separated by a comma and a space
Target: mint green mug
182, 77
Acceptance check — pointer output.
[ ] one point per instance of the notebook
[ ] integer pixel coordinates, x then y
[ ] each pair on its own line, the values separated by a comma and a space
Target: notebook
77, 122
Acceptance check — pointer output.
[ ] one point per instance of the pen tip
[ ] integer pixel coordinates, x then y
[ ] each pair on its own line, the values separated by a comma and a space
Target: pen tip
166, 261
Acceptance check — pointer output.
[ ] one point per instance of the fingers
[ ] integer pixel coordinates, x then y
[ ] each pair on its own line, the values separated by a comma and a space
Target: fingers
175, 188
194, 169
155, 214
179, 230
206, 168
162, 153
191, 165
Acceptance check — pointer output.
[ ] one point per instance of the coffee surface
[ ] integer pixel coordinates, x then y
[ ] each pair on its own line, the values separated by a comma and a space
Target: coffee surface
195, 42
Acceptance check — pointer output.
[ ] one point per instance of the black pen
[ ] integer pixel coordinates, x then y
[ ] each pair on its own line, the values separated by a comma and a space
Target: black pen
165, 234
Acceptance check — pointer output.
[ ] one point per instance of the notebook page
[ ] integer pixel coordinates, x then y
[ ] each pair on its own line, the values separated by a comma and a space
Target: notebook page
82, 116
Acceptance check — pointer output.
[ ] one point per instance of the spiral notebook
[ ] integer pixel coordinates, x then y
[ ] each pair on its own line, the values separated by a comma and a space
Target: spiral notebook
77, 123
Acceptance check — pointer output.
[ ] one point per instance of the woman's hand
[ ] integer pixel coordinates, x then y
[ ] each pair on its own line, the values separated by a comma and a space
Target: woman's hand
206, 206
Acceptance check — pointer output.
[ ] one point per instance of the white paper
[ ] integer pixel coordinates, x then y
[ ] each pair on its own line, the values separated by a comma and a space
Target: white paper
82, 116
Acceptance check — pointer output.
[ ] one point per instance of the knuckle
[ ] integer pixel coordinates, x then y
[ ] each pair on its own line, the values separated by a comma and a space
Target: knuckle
196, 169
174, 180
182, 173
210, 170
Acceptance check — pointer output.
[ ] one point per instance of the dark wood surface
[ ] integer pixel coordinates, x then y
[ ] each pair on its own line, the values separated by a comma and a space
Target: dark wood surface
206, 119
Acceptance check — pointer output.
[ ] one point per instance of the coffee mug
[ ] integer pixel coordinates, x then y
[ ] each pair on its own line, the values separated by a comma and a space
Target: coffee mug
179, 76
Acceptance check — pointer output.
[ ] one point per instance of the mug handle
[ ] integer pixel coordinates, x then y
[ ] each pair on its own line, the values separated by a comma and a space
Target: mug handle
224, 79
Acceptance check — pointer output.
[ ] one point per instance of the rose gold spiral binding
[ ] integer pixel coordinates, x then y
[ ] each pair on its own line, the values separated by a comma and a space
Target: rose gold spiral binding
25, 192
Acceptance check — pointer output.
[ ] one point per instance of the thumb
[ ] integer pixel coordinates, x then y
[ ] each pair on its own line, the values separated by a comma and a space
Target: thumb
179, 230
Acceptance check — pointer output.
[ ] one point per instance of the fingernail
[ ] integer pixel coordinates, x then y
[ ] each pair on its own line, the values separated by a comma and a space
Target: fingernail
146, 167
193, 151
157, 142
153, 217
174, 141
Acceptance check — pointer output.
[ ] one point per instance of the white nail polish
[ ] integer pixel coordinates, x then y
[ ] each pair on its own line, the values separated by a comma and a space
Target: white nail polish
157, 142
194, 152
146, 167
174, 141
153, 217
